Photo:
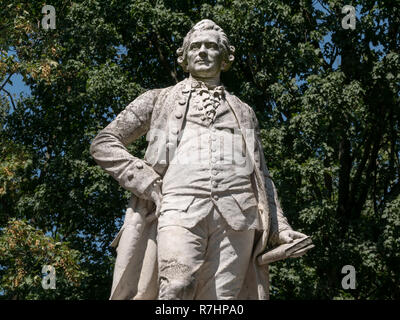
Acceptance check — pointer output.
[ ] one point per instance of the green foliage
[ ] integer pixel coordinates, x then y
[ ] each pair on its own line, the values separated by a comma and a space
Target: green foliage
23, 253
327, 100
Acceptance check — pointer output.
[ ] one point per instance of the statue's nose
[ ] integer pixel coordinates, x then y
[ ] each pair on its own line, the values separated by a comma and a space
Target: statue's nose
203, 49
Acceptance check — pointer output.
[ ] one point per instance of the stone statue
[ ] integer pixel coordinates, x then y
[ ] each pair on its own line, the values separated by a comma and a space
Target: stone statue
203, 204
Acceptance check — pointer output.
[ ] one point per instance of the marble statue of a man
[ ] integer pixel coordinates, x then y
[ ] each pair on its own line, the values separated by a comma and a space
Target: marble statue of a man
203, 205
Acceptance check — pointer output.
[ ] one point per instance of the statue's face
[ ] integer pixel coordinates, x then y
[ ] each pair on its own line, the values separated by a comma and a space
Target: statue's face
204, 56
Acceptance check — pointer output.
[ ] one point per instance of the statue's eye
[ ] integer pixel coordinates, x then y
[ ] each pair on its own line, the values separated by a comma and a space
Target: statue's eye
194, 46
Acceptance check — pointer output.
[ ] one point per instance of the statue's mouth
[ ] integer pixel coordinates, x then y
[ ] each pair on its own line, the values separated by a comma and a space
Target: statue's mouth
202, 61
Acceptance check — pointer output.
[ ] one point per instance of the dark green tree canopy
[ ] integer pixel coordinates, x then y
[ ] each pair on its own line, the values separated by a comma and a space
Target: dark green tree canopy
327, 100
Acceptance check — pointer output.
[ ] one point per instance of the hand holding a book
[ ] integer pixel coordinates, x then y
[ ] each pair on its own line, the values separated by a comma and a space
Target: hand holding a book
290, 244
287, 236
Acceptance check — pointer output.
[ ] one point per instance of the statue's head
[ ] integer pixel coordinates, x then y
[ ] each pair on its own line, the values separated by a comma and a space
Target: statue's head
206, 50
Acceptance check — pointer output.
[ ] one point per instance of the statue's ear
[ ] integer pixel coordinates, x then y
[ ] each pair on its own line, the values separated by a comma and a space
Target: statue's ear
184, 67
224, 66
226, 63
181, 61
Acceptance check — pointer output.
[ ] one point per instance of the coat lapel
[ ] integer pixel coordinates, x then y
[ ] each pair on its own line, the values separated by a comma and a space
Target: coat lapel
241, 114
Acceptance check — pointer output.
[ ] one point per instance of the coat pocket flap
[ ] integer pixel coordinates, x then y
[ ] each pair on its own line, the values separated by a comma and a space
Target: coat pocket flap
245, 200
181, 203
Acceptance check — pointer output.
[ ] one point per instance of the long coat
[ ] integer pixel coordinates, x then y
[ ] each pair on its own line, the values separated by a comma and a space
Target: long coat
160, 113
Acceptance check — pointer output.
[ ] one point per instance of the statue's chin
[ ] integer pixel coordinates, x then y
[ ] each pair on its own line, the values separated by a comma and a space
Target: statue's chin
203, 73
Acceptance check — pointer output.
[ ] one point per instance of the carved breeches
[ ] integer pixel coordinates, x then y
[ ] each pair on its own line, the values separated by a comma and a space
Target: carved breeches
208, 261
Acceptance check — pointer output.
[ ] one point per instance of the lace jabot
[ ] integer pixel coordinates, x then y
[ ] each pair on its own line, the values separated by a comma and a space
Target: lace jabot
207, 99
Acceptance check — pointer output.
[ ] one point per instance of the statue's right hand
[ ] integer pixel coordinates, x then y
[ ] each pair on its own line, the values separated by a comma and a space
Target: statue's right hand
154, 194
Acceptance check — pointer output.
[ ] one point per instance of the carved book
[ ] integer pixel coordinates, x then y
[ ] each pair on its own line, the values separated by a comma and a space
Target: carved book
288, 250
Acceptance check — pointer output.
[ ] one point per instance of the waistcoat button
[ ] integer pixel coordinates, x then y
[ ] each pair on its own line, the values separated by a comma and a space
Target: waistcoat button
178, 115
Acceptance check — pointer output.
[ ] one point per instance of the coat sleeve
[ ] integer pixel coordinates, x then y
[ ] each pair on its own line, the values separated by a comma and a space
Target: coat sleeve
279, 222
109, 146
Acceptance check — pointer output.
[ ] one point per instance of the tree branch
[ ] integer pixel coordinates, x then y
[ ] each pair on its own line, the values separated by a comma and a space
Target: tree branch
357, 178
5, 82
162, 58
344, 175
11, 98
359, 202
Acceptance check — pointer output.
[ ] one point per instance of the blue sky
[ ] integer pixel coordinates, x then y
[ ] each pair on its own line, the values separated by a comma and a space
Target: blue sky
18, 86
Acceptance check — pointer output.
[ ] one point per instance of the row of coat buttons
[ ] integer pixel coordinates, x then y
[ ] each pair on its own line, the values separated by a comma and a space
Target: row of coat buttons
175, 131
179, 114
214, 158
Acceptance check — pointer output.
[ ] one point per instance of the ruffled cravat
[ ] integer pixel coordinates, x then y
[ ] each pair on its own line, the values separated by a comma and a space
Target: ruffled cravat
208, 100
